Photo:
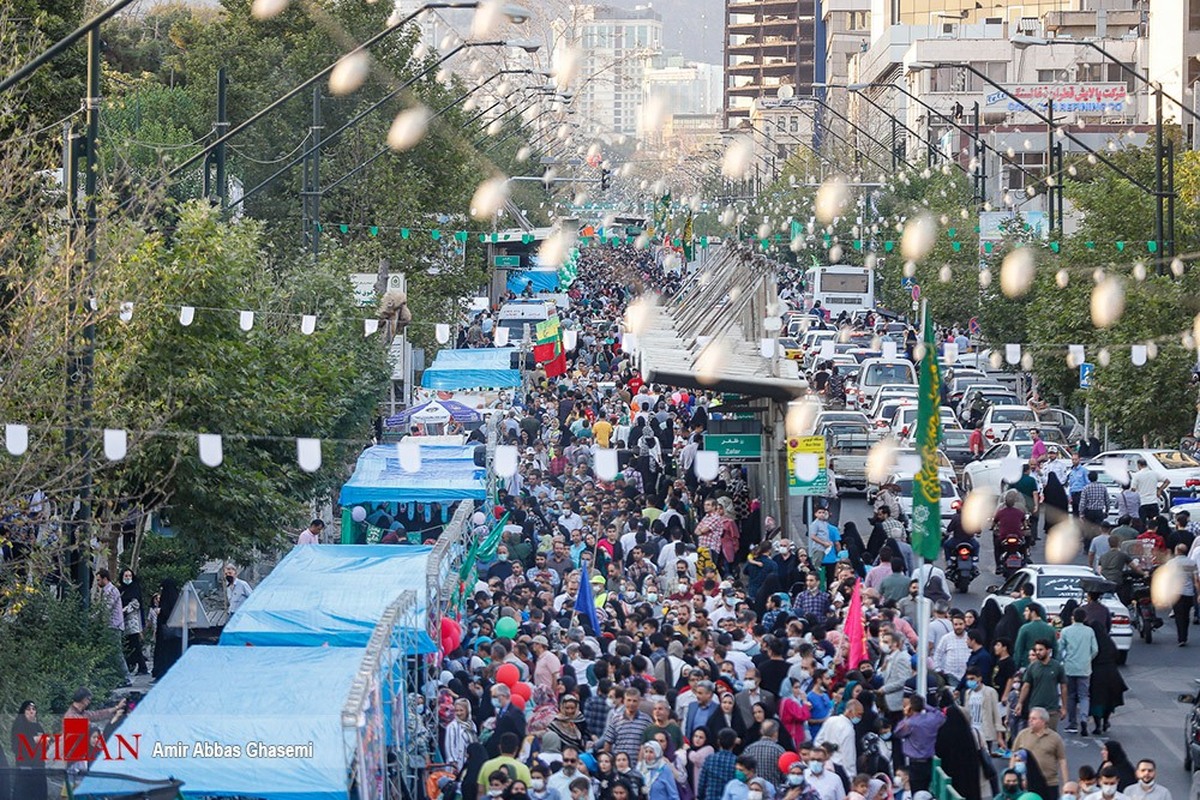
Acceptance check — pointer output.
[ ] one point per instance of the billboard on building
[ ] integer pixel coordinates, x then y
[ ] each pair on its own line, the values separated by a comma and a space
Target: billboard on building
1069, 98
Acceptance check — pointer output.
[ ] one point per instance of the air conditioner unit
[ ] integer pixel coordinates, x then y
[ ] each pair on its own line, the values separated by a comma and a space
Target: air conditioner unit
949, 30
993, 21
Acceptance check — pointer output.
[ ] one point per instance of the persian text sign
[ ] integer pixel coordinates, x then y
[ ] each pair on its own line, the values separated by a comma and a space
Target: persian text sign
1077, 98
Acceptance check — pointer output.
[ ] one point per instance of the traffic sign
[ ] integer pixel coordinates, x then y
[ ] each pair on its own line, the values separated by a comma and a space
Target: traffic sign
973, 326
916, 292
807, 447
735, 446
507, 262
1085, 375
908, 283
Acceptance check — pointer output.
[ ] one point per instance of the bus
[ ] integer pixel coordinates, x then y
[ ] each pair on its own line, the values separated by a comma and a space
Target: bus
839, 288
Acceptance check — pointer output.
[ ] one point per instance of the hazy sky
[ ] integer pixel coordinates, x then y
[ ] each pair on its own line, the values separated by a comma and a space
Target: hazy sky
694, 27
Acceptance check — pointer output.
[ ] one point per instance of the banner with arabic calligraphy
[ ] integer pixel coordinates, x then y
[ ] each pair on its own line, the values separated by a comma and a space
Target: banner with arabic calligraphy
1069, 98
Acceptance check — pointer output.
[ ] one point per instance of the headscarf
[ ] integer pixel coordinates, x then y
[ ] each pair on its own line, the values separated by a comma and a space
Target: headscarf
23, 728
649, 769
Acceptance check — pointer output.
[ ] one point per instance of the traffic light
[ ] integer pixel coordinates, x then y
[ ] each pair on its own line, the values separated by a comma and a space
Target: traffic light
605, 176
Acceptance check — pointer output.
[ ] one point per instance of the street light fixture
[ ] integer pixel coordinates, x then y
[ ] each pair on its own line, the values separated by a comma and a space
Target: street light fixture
921, 66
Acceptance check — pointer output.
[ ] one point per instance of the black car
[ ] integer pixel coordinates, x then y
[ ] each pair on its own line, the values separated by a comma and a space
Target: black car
956, 444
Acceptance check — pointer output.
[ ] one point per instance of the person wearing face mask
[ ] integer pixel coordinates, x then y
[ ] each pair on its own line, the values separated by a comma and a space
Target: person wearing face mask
750, 694
822, 777
538, 790
133, 605
838, 731
509, 719
517, 790
1070, 791
795, 787
1010, 785
1106, 788
980, 702
746, 785
657, 775
237, 591
1147, 786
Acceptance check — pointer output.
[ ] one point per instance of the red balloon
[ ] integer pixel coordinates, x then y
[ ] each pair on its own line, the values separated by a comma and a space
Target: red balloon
508, 674
451, 635
518, 701
786, 760
523, 690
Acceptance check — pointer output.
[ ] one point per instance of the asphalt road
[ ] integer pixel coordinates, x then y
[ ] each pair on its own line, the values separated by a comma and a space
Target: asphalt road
1150, 724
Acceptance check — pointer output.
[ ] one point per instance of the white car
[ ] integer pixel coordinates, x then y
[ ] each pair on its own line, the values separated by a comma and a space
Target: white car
1053, 586
989, 471
999, 419
950, 502
882, 422
1179, 468
879, 372
904, 424
890, 391
840, 417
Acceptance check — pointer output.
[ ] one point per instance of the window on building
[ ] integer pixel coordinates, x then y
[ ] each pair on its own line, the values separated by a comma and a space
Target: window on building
995, 70
945, 79
1052, 76
1033, 162
795, 124
1194, 15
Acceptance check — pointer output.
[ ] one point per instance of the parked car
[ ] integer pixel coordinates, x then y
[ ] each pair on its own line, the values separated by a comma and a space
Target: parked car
993, 395
1180, 469
904, 424
950, 502
956, 444
848, 448
1053, 586
1062, 421
882, 421
1020, 432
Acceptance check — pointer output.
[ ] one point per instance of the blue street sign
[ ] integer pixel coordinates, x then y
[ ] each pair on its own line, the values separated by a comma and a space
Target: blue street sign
908, 283
1085, 375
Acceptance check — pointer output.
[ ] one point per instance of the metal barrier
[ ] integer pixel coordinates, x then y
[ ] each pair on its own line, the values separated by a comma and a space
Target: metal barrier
940, 786
386, 757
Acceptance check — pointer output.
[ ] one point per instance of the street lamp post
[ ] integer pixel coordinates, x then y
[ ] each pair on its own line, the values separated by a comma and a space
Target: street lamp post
920, 66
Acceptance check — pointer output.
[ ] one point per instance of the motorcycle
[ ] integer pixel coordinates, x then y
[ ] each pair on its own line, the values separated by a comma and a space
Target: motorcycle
1014, 554
1143, 617
962, 567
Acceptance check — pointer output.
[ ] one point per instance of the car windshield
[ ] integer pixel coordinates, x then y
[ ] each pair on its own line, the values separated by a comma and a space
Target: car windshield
1058, 587
1013, 415
1173, 459
879, 374
955, 438
906, 488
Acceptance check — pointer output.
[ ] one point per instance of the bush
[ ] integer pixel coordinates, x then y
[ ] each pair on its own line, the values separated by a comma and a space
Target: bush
165, 557
51, 647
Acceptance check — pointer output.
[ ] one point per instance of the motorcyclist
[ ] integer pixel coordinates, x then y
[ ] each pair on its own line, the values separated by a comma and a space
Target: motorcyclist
956, 535
1009, 520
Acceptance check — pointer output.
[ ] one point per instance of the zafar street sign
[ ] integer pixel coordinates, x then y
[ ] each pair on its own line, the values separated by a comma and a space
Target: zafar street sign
507, 262
735, 446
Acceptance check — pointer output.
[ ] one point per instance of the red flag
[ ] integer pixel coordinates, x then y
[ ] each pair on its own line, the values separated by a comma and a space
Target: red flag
558, 366
856, 632
545, 352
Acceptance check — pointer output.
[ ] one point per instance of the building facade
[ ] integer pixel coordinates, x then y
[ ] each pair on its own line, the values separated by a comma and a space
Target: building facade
769, 43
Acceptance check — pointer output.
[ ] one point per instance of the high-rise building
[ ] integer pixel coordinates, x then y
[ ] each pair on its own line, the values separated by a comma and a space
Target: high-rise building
617, 47
769, 43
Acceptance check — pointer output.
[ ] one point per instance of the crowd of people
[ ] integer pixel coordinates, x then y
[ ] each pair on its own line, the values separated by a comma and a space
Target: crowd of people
647, 634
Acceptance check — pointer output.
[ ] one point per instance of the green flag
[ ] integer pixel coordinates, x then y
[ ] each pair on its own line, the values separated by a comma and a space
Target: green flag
927, 490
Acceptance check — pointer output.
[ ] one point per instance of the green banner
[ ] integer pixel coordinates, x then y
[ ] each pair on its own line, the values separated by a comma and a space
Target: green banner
927, 489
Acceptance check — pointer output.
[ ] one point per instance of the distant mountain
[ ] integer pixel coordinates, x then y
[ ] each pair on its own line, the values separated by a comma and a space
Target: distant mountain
693, 27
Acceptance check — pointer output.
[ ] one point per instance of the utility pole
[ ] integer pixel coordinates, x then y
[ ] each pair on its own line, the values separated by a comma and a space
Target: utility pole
222, 128
311, 194
1158, 177
980, 163
1050, 161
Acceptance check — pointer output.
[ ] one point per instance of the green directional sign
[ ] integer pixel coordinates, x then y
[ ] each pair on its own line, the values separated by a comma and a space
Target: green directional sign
735, 446
507, 262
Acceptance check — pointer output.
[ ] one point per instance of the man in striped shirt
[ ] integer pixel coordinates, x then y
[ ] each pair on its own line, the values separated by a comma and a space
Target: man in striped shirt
625, 728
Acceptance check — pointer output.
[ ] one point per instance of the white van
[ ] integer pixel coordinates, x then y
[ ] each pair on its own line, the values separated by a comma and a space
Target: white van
516, 314
877, 372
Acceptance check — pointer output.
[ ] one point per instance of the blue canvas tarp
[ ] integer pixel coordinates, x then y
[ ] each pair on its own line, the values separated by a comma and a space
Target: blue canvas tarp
447, 474
239, 695
330, 594
478, 368
544, 280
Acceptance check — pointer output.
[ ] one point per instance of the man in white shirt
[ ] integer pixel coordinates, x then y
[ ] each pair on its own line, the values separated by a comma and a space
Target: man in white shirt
1147, 484
952, 651
311, 534
839, 730
824, 781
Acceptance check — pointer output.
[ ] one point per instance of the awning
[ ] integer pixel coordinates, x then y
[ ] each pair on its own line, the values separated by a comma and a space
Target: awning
478, 368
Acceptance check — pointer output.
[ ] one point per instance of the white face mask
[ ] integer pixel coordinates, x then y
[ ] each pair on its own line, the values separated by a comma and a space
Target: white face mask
537, 784
754, 795
495, 792
750, 683
1108, 790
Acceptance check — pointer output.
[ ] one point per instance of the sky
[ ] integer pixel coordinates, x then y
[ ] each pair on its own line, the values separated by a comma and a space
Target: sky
693, 27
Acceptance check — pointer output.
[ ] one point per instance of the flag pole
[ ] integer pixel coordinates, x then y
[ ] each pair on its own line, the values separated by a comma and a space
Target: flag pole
922, 600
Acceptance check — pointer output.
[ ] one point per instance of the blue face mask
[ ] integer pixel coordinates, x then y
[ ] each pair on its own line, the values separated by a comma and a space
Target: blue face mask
1019, 768
497, 704
817, 767
972, 684
886, 736
795, 779
855, 720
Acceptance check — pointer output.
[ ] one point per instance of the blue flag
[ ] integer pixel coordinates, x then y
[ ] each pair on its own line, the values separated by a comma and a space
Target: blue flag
585, 603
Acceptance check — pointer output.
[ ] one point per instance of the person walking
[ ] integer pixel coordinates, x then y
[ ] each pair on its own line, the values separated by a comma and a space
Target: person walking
1183, 569
1047, 748
133, 606
1044, 685
917, 733
114, 614
1078, 645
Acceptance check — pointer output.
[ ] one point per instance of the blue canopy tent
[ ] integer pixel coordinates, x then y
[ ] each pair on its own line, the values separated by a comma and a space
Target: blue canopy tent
479, 368
435, 411
544, 280
448, 474
239, 696
330, 595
